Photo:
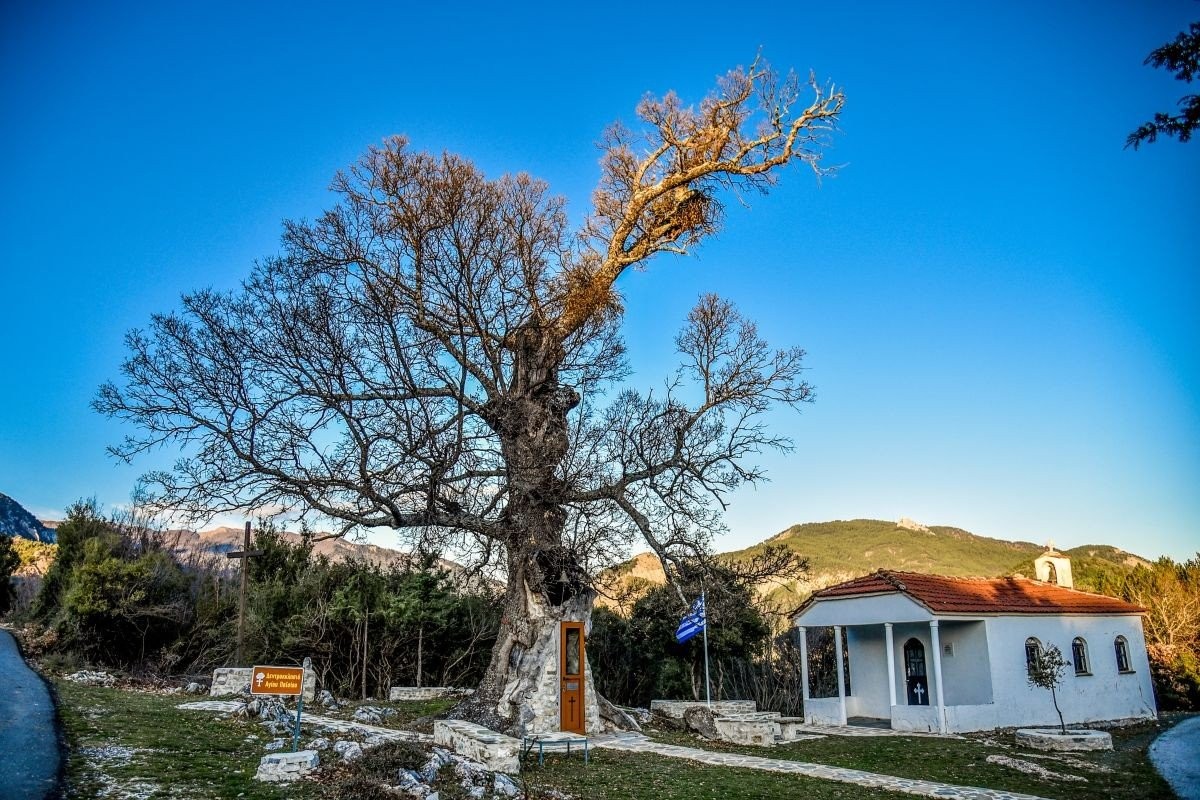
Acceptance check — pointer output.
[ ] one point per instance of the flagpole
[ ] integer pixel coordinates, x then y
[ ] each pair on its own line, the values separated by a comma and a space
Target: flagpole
707, 691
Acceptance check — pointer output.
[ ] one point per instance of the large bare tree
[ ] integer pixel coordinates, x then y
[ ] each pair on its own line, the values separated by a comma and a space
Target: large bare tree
439, 353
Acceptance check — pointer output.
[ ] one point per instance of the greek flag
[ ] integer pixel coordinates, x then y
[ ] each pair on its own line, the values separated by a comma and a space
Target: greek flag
693, 622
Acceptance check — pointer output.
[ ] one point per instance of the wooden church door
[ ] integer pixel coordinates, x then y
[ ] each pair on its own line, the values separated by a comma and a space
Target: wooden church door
914, 673
571, 678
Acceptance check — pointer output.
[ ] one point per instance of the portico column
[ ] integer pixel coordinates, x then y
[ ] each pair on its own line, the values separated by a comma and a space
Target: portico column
891, 664
841, 676
804, 669
937, 674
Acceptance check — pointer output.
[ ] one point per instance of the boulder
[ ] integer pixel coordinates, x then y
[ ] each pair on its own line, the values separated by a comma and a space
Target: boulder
347, 750
702, 720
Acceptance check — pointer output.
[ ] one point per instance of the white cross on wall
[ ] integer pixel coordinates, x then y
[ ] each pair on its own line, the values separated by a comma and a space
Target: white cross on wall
919, 692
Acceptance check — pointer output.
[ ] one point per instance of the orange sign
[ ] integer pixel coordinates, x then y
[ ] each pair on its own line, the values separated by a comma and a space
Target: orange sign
277, 680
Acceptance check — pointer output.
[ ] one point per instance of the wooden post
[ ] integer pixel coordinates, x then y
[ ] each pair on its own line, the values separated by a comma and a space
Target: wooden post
244, 554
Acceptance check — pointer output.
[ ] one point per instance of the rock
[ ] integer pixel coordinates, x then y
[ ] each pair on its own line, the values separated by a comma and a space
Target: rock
326, 699
347, 750
368, 714
476, 792
254, 707
193, 688
409, 779
504, 786
275, 728
438, 759
472, 773
618, 718
92, 678
701, 720
320, 743
276, 744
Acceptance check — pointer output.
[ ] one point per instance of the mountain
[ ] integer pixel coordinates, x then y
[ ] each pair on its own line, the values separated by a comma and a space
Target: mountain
15, 521
843, 549
212, 545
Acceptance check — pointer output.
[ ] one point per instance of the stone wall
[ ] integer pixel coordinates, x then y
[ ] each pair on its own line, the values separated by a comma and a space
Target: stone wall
402, 693
675, 709
236, 680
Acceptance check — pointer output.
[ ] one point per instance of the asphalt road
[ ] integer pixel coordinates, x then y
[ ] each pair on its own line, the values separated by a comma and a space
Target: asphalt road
29, 755
1176, 756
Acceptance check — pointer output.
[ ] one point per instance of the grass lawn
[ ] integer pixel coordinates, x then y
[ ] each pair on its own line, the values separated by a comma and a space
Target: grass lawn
128, 744
613, 775
134, 744
1125, 772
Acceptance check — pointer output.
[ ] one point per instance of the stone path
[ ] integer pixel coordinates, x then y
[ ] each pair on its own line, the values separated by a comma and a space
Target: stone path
636, 743
320, 722
1176, 756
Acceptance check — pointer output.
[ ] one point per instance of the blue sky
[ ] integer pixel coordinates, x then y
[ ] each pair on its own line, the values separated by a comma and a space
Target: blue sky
999, 302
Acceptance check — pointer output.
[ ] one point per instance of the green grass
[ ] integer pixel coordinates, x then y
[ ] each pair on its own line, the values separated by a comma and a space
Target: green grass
1122, 774
614, 775
173, 753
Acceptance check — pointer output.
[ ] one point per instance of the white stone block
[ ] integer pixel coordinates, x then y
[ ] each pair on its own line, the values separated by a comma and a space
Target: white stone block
282, 767
495, 751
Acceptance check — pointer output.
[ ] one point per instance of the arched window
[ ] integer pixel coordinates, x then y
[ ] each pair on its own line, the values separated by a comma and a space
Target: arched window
1122, 648
1079, 655
1033, 653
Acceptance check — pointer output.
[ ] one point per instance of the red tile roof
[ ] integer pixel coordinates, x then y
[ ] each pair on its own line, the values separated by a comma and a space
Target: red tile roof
945, 595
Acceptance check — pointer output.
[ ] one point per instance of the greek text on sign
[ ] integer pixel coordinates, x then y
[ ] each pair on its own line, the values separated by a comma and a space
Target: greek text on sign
277, 680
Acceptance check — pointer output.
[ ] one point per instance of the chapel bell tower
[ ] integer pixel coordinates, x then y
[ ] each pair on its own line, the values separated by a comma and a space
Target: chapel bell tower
1053, 567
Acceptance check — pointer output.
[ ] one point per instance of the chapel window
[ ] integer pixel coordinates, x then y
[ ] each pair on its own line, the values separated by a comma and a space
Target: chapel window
1122, 648
1079, 655
1033, 654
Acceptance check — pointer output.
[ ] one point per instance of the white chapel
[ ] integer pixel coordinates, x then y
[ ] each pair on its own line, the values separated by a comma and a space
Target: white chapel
940, 654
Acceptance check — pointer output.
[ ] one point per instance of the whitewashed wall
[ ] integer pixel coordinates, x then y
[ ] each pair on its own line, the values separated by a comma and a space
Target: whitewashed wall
1106, 694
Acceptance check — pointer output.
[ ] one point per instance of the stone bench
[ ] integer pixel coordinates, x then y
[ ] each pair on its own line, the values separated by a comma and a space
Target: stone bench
792, 728
497, 752
551, 741
748, 730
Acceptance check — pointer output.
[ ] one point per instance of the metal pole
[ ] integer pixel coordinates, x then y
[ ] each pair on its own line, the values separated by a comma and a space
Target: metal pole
707, 690
305, 666
299, 708
242, 595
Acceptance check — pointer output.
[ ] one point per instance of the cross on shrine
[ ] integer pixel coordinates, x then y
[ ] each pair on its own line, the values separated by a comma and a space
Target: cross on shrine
920, 693
244, 554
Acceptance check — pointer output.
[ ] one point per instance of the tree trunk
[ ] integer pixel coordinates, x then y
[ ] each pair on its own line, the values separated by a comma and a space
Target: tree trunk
366, 661
1062, 726
546, 586
420, 648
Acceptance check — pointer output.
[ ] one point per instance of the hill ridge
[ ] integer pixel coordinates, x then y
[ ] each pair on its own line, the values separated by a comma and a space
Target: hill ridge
840, 550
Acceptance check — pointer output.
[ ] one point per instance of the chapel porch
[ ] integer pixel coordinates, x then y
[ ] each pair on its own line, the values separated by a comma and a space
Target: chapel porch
931, 676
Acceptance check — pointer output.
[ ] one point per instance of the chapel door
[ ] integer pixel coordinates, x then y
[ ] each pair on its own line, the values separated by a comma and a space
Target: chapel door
914, 673
570, 678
